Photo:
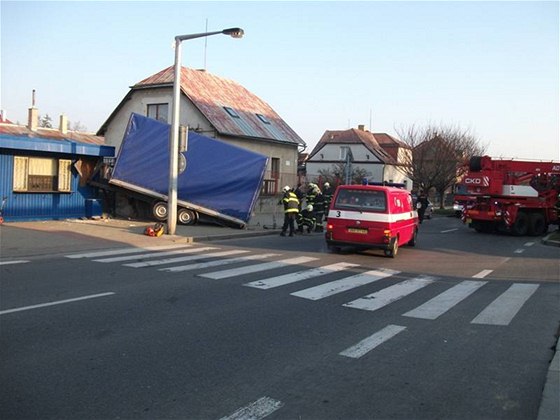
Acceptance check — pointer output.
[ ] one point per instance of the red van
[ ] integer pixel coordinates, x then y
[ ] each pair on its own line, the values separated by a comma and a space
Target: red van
371, 216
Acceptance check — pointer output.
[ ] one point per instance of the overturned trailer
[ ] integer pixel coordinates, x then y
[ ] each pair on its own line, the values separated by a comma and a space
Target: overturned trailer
216, 179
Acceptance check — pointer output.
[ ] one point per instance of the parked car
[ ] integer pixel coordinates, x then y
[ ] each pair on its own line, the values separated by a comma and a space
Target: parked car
429, 210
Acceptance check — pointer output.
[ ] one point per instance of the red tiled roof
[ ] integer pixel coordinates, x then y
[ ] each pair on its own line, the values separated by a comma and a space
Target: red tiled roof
355, 136
51, 133
210, 94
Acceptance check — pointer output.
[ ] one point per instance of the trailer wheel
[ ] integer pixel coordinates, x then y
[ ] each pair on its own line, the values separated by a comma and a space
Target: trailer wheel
521, 224
159, 210
186, 216
537, 224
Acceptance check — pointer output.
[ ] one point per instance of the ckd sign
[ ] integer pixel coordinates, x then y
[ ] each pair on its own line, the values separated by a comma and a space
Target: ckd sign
479, 182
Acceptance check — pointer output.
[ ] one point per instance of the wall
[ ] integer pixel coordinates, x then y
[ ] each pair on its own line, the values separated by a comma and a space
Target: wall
41, 206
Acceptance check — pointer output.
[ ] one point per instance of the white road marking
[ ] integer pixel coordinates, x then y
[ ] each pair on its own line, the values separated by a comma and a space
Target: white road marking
183, 259
529, 244
124, 251
198, 266
14, 262
390, 294
519, 251
256, 268
502, 310
449, 230
256, 410
482, 274
347, 283
154, 255
59, 302
440, 304
371, 342
299, 276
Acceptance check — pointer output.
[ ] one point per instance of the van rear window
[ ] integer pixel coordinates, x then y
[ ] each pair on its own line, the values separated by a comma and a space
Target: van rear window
361, 200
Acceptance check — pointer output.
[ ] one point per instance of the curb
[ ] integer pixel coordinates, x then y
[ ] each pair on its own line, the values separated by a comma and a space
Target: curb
550, 242
550, 404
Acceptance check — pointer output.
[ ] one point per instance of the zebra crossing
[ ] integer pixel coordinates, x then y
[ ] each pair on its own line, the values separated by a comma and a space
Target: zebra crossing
499, 312
181, 258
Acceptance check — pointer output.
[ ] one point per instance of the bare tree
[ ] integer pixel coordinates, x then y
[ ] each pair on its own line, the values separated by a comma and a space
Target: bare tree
336, 175
438, 157
45, 121
77, 126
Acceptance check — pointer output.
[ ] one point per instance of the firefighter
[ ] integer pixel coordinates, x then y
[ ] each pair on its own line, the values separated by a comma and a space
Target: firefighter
422, 205
319, 210
306, 219
327, 195
311, 194
291, 209
300, 195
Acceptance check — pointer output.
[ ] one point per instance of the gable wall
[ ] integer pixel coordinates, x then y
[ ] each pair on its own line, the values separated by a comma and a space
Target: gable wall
331, 152
138, 103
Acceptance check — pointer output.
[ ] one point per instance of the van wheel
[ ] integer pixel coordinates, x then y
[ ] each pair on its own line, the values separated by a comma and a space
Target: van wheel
412, 242
392, 252
159, 210
186, 216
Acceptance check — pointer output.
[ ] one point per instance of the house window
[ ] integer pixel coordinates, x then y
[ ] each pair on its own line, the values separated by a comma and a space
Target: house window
344, 151
263, 118
42, 174
231, 112
158, 112
275, 168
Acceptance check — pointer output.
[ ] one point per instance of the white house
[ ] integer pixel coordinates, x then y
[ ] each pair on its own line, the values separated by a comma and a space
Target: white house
378, 154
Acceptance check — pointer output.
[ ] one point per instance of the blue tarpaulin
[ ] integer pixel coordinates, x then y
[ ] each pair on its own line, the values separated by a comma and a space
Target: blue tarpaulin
219, 176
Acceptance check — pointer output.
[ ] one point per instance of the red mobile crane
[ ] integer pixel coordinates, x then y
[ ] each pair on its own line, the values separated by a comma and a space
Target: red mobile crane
521, 197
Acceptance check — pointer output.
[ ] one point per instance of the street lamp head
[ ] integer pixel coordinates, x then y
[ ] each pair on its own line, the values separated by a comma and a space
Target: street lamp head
234, 32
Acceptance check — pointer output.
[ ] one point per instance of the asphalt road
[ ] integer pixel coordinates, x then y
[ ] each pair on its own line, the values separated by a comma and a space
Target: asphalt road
460, 326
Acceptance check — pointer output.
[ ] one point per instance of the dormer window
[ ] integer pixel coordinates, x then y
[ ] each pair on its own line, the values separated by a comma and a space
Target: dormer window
263, 118
231, 112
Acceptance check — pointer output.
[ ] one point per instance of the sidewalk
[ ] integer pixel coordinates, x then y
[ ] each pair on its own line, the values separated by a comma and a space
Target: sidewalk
24, 239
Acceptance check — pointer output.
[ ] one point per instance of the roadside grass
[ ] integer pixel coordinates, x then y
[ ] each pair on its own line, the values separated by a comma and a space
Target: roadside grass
554, 236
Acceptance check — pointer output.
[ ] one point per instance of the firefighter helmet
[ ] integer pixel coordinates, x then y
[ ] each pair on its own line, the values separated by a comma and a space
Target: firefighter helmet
286, 188
309, 208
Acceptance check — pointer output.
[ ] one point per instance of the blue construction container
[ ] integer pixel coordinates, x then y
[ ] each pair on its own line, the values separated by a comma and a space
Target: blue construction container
24, 203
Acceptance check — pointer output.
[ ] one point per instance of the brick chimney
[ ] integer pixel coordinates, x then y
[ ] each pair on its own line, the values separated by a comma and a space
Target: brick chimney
63, 126
362, 127
33, 115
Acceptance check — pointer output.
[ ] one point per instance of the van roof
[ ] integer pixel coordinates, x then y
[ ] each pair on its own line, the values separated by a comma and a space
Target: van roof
373, 188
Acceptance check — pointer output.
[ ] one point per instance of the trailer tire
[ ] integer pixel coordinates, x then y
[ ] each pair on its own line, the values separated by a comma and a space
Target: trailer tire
521, 225
537, 224
159, 210
186, 216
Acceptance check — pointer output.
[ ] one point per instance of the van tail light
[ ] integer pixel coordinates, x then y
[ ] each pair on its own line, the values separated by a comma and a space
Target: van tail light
387, 236
329, 226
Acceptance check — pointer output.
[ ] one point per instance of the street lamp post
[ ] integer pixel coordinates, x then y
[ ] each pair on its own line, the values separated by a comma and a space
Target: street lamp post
174, 138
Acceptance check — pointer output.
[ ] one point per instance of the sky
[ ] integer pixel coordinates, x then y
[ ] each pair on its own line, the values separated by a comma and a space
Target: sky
488, 67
